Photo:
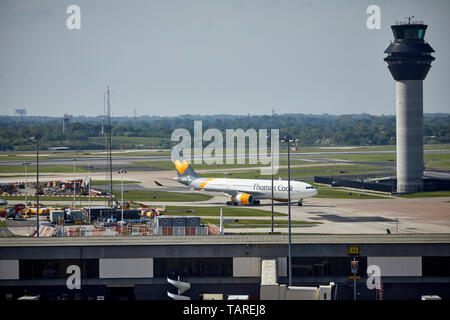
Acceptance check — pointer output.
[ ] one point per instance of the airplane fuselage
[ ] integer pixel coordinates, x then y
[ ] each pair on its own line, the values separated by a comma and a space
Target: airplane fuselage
259, 189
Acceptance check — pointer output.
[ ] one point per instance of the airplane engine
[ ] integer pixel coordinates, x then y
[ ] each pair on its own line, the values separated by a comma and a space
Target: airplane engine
244, 198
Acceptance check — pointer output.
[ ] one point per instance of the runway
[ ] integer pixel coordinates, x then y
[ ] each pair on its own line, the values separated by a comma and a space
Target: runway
339, 216
124, 159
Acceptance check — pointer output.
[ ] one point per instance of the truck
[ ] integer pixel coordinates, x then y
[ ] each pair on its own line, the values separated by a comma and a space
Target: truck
8, 213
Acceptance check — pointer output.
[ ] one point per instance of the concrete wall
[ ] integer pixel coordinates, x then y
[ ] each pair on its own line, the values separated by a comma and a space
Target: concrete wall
246, 267
298, 293
246, 280
271, 290
409, 101
282, 267
9, 269
126, 268
283, 292
269, 250
397, 266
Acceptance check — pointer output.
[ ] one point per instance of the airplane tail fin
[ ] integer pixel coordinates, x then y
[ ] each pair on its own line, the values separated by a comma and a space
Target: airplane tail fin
184, 169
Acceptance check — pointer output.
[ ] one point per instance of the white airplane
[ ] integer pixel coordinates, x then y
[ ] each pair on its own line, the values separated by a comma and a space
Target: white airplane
244, 191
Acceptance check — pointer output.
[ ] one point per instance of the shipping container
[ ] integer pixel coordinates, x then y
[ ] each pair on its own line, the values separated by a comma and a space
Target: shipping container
167, 231
179, 221
75, 215
191, 231
192, 221
202, 231
164, 221
100, 213
179, 231
56, 216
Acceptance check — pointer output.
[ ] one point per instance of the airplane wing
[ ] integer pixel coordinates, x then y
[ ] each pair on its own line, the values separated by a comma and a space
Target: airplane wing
236, 191
170, 187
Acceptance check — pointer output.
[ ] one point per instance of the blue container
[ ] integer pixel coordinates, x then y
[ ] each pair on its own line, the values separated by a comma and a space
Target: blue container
192, 221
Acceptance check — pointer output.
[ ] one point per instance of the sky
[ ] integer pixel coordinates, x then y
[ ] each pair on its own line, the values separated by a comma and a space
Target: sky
173, 57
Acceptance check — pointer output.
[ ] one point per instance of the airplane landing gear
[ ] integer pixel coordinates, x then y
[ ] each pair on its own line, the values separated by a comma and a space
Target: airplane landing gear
232, 203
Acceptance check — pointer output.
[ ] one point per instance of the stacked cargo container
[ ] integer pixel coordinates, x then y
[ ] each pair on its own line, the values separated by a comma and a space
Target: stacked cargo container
192, 223
178, 226
57, 216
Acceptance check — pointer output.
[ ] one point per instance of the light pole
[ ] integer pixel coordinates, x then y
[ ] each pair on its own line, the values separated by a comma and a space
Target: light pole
37, 137
121, 204
89, 167
354, 268
73, 184
26, 164
288, 139
271, 162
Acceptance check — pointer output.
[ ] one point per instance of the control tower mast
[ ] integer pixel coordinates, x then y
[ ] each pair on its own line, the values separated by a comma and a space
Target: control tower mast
409, 60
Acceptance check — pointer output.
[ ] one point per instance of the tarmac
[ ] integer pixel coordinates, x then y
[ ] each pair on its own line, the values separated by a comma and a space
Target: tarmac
333, 216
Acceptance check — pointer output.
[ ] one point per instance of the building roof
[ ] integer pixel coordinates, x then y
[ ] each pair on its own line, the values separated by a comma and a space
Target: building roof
353, 239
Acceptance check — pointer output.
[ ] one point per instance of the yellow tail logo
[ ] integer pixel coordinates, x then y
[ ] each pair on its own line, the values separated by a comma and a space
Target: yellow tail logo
181, 166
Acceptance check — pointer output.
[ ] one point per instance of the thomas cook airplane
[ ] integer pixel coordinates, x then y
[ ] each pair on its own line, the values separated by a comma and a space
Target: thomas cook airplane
244, 191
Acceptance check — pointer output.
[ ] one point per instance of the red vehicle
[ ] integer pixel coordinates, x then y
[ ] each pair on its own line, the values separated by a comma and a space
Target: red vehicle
19, 207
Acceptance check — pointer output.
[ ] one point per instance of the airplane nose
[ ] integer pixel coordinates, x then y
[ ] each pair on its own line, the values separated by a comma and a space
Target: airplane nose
314, 192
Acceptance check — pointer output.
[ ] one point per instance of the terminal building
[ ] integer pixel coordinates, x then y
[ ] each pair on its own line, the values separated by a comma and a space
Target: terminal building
411, 265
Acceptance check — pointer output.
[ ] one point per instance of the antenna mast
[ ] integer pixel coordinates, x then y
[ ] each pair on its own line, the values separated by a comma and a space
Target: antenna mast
109, 145
409, 19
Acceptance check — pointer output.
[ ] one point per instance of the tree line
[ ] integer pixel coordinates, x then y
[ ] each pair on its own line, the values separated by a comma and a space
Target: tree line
311, 130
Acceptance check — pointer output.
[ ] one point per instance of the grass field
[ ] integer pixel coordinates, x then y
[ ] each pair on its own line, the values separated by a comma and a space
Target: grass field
430, 157
302, 172
359, 157
215, 211
41, 198
241, 212
148, 141
330, 192
47, 154
106, 182
168, 165
443, 165
427, 194
157, 196
131, 142
437, 160
251, 223
297, 172
441, 157
139, 195
42, 169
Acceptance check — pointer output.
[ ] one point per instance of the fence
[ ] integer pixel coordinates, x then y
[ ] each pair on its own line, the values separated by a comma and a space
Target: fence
383, 181
361, 181
141, 230
181, 231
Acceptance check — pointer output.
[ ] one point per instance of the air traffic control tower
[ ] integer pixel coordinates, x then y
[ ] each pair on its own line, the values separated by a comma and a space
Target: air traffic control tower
409, 60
